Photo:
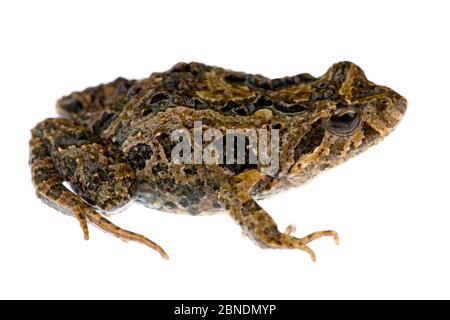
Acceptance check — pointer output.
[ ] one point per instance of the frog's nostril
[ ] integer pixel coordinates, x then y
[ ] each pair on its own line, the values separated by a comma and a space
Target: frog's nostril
401, 104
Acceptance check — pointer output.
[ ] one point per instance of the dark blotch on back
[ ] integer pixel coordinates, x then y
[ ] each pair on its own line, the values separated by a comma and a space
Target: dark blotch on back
362, 89
71, 105
264, 101
244, 109
194, 68
122, 85
291, 108
278, 83
164, 140
104, 122
310, 141
72, 137
234, 78
159, 168
158, 97
190, 170
134, 91
324, 90
303, 78
121, 133
194, 103
234, 106
181, 67
138, 155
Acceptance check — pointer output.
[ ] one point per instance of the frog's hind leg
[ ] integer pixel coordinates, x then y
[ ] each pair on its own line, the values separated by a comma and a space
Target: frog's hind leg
256, 223
62, 151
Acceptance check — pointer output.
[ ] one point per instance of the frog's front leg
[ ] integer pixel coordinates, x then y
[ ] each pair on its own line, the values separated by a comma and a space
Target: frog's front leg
61, 150
256, 223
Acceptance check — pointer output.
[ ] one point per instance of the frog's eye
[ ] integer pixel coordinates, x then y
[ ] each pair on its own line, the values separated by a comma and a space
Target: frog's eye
344, 123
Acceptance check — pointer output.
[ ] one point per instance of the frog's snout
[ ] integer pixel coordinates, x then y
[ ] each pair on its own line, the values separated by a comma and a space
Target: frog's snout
401, 104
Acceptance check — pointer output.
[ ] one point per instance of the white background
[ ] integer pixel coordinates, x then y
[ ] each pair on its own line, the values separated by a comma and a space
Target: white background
390, 205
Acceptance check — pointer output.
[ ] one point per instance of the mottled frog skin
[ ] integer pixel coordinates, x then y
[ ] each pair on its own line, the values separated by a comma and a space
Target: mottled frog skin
112, 143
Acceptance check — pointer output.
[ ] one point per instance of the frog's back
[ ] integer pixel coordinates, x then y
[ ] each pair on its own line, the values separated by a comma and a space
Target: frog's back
174, 100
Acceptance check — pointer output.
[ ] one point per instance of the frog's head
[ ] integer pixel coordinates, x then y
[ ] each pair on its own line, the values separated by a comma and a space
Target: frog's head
351, 114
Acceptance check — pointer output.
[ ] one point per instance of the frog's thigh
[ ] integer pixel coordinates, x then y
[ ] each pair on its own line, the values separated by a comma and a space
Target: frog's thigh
256, 223
63, 151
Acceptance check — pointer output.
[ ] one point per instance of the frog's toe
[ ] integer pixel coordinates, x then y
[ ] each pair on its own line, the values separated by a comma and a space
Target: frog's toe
288, 241
309, 251
78, 214
290, 229
278, 240
320, 234
295, 243
106, 225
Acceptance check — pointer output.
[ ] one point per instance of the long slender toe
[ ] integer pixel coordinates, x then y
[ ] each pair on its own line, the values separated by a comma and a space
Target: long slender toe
319, 234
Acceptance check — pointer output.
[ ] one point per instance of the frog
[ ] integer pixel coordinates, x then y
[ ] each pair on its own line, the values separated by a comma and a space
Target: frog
113, 144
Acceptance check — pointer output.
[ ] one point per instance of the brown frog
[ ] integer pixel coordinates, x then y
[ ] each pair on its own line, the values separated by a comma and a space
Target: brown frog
115, 143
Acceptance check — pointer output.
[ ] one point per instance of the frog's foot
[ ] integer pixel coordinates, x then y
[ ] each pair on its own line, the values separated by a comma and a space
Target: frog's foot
270, 237
125, 235
78, 158
290, 229
320, 234
256, 223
